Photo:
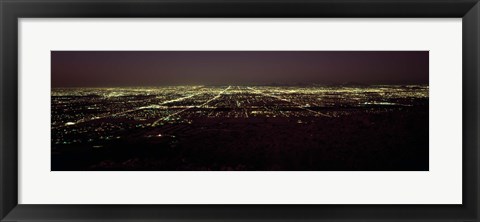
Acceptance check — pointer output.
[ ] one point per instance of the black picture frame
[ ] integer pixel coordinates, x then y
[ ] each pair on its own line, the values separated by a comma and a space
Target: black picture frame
12, 10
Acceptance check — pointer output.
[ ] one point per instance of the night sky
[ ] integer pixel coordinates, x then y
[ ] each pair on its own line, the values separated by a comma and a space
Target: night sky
158, 68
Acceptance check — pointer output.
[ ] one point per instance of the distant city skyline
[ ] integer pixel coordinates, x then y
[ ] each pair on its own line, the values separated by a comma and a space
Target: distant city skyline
159, 68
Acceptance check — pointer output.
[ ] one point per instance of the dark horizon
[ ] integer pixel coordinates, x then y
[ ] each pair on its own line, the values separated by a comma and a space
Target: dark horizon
161, 68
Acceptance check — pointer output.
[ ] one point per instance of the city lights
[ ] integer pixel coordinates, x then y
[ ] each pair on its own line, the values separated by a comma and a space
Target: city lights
106, 113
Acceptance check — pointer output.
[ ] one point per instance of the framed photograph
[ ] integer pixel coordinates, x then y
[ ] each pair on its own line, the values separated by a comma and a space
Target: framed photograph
226, 110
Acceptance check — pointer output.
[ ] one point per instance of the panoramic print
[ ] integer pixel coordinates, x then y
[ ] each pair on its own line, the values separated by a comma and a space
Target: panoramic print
240, 111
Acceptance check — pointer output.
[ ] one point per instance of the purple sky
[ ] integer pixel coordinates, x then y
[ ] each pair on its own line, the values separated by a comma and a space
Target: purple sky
156, 68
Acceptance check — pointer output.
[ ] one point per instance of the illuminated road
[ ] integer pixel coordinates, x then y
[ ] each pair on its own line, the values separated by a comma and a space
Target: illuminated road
301, 106
183, 110
84, 120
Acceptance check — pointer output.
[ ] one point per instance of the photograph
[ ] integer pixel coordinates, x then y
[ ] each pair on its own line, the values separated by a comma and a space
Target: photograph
239, 110
275, 111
